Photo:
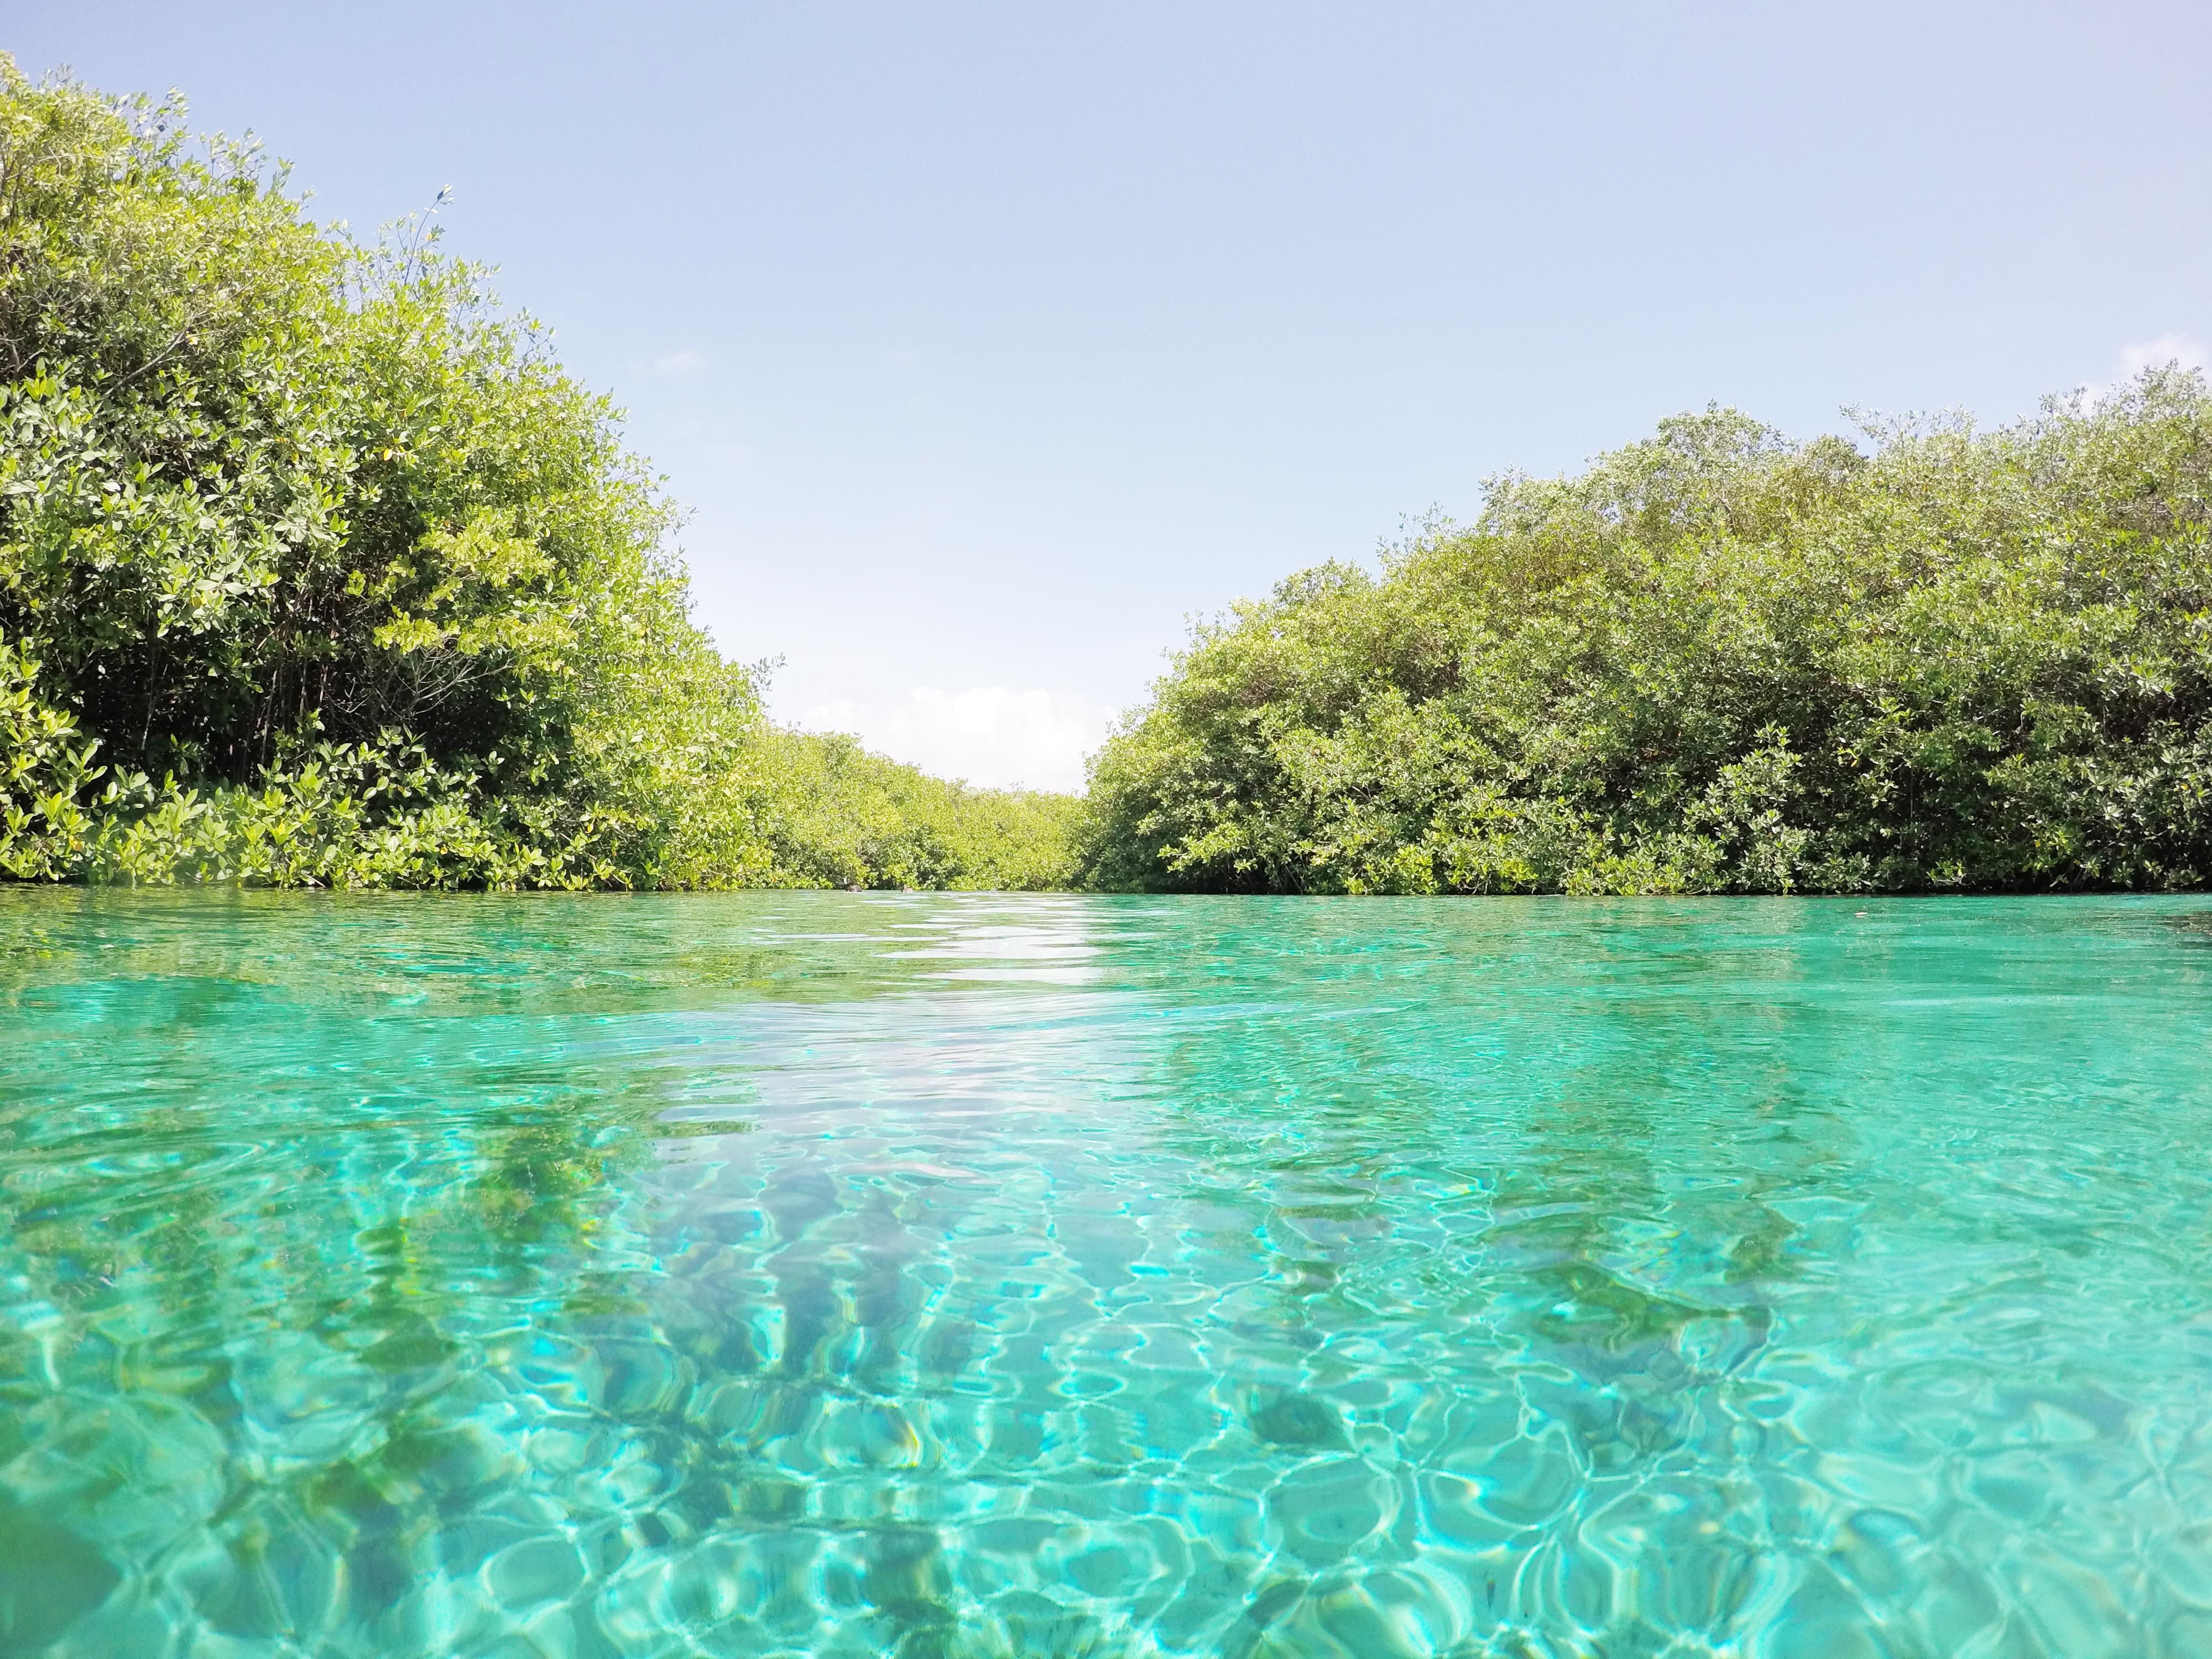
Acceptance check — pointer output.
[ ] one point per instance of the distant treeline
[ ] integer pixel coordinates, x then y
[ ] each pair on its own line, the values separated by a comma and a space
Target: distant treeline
1722, 662
316, 570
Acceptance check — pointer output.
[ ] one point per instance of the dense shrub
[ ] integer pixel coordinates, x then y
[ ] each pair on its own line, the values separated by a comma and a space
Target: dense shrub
838, 816
1720, 661
314, 567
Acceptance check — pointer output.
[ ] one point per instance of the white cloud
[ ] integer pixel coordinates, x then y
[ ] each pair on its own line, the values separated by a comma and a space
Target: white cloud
2166, 349
2181, 348
991, 735
675, 365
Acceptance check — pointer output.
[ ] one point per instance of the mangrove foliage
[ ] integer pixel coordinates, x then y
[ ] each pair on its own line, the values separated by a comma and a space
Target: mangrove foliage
1720, 661
316, 568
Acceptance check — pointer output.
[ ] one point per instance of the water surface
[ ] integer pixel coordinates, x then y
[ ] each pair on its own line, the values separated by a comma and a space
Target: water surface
820, 1275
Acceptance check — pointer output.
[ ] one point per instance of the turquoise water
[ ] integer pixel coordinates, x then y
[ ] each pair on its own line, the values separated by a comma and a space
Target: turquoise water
820, 1275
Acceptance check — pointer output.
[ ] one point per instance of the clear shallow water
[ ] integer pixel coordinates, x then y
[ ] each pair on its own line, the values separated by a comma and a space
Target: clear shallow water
830, 1275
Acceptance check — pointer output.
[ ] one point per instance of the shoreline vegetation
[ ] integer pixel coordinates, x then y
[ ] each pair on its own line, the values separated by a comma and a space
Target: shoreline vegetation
317, 570
1720, 661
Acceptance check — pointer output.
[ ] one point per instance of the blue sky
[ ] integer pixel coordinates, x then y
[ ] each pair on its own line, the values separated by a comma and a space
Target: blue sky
989, 343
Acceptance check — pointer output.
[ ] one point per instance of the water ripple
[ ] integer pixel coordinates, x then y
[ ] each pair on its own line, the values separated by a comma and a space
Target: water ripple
820, 1274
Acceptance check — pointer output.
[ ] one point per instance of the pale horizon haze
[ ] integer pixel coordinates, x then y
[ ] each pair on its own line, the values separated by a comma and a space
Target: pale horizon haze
988, 345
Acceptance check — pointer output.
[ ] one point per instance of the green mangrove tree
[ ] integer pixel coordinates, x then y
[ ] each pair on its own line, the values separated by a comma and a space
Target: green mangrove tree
316, 568
1719, 661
